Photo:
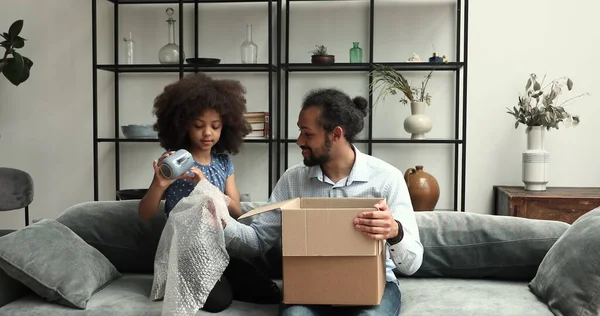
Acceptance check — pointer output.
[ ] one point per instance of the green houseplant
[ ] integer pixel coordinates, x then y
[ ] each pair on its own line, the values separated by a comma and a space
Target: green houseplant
539, 105
320, 55
14, 66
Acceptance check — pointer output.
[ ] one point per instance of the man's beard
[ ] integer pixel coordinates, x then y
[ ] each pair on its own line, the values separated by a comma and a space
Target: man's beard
314, 160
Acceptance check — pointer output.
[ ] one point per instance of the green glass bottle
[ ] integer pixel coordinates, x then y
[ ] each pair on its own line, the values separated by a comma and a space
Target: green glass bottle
355, 53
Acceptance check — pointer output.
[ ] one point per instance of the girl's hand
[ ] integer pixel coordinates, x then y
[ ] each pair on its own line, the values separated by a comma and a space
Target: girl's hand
194, 174
159, 179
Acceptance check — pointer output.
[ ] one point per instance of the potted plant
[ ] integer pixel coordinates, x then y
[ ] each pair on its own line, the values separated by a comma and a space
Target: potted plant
320, 56
14, 66
538, 109
392, 82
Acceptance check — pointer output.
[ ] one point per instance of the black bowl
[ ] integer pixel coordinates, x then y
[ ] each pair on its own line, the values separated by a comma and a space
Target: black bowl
131, 194
202, 61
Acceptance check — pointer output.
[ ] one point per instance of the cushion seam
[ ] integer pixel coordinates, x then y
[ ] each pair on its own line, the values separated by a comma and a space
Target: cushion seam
493, 242
450, 268
114, 246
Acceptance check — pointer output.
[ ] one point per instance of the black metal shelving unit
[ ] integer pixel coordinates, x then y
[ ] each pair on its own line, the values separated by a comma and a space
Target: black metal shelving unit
272, 68
279, 69
459, 67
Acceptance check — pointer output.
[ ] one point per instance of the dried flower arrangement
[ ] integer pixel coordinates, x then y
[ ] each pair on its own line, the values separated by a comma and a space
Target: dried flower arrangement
393, 82
539, 105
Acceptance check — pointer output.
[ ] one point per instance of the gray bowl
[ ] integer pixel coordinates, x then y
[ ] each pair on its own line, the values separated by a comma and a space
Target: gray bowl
139, 131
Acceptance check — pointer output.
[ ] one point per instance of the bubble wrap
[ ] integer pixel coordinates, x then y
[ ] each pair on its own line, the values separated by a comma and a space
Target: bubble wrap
191, 254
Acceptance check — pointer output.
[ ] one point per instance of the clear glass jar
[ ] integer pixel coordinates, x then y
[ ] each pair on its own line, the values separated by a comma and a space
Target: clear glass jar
169, 54
249, 49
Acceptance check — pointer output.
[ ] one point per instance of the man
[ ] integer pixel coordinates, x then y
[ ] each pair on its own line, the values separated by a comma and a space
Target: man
329, 122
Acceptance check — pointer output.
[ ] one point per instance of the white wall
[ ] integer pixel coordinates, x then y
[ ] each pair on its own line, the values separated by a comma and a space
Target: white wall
46, 123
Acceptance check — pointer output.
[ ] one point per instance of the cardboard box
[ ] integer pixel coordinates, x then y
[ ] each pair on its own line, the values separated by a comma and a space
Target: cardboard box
325, 259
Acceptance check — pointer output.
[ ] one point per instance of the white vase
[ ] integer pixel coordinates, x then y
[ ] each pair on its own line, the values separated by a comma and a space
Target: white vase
418, 124
535, 161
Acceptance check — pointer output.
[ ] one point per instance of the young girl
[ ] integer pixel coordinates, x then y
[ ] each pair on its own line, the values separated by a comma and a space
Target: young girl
205, 117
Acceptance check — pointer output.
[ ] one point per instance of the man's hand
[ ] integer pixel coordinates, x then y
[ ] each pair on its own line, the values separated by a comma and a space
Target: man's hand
378, 224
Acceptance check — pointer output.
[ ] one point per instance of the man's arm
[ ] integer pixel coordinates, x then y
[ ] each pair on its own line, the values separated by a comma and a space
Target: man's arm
406, 249
264, 231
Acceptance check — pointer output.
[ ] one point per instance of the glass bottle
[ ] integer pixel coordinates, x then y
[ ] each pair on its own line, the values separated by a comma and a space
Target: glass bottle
355, 53
249, 49
169, 54
130, 47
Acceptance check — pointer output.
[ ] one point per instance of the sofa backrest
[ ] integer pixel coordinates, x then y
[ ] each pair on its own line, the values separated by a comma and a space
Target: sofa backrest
116, 230
483, 246
460, 245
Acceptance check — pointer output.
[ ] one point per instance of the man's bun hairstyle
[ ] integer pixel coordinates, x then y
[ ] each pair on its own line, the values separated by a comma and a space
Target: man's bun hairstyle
338, 109
362, 104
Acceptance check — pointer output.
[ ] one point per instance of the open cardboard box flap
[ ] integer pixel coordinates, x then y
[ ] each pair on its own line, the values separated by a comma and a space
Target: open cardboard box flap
323, 226
266, 208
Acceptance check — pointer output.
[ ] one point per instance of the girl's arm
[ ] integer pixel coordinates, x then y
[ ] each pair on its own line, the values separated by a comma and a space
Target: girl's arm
148, 206
150, 202
235, 207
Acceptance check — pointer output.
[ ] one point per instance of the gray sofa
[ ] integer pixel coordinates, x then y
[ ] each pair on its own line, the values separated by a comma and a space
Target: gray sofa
473, 265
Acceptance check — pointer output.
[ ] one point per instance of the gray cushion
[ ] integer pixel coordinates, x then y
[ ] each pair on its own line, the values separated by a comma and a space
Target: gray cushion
10, 289
116, 230
568, 279
468, 297
55, 263
16, 189
128, 296
470, 245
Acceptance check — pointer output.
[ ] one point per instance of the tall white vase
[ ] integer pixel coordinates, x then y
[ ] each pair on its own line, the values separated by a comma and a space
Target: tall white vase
418, 124
535, 161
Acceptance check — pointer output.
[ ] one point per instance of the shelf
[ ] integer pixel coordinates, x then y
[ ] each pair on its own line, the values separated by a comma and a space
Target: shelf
398, 141
424, 66
327, 67
128, 140
256, 140
411, 141
407, 66
184, 1
360, 1
157, 68
155, 140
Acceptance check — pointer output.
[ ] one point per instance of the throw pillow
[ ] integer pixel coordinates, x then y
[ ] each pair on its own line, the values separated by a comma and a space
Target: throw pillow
55, 263
470, 245
10, 289
568, 279
116, 230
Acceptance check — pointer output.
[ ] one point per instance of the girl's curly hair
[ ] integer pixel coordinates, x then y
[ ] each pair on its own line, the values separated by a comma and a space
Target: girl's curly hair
182, 102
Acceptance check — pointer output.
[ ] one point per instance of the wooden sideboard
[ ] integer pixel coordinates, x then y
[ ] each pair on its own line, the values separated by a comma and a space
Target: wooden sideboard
564, 204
